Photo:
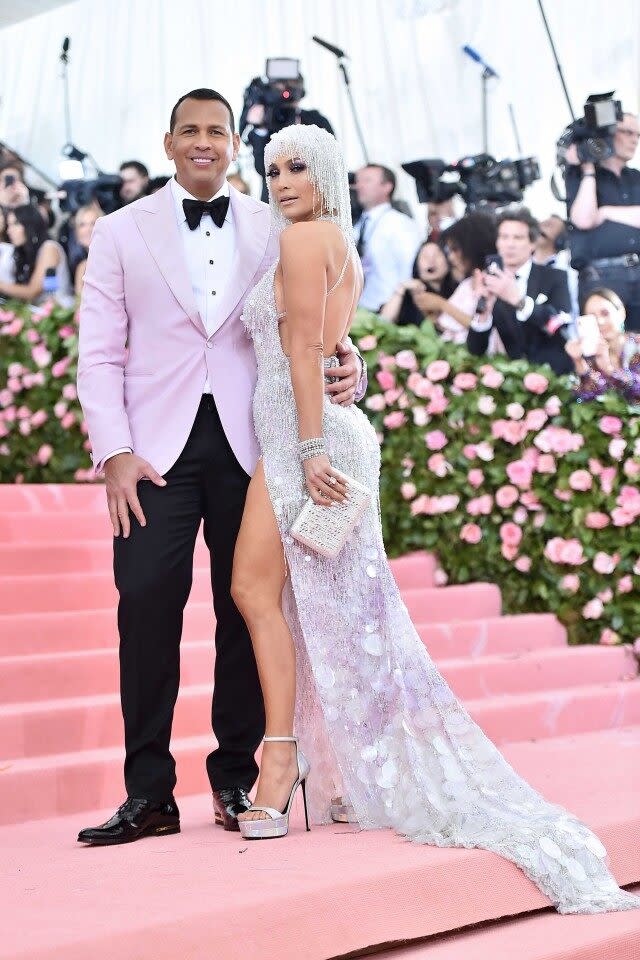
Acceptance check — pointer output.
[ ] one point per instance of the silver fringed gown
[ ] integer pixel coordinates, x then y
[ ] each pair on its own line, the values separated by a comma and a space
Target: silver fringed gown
375, 718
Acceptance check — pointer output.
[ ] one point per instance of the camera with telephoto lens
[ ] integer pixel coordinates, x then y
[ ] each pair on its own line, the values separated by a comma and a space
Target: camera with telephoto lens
592, 134
278, 92
478, 179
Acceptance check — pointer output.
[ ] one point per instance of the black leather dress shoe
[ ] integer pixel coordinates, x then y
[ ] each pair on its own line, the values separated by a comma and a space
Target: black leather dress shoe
133, 820
227, 804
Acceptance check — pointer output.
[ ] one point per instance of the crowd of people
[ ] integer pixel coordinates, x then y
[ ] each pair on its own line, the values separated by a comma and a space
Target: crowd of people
500, 282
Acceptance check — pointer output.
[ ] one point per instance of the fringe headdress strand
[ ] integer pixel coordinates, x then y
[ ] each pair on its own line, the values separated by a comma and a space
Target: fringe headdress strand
326, 167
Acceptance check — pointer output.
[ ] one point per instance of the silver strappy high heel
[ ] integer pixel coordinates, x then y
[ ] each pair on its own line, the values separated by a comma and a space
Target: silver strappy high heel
276, 824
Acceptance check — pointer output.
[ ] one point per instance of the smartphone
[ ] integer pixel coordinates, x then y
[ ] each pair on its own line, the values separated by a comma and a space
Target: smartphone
492, 262
9, 180
588, 334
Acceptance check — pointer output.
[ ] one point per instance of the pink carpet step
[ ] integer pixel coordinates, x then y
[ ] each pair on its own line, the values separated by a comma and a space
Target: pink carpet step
311, 896
77, 630
73, 556
51, 497
88, 672
443, 604
549, 936
57, 726
59, 525
552, 669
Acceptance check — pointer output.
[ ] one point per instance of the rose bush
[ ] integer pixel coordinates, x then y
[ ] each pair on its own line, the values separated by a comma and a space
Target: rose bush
500, 472
488, 463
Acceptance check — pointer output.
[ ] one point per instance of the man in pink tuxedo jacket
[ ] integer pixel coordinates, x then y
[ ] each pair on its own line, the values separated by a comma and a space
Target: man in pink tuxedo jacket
166, 377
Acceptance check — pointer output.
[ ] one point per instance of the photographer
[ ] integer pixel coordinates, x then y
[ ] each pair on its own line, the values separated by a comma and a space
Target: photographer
603, 201
270, 105
13, 190
526, 303
135, 181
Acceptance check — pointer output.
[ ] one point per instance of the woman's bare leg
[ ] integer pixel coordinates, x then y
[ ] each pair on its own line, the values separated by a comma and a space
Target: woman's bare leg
259, 575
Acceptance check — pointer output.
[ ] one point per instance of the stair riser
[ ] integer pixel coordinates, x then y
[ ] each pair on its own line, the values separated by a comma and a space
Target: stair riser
36, 731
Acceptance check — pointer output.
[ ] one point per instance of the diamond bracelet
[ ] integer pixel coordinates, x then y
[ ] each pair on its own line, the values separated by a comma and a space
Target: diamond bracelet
315, 447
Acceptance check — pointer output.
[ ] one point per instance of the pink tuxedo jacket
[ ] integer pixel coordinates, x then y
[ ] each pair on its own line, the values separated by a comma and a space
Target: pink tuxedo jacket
144, 350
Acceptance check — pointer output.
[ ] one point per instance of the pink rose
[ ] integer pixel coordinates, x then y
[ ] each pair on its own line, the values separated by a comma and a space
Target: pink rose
475, 477
593, 609
515, 411
368, 343
511, 534
631, 469
68, 420
609, 637
606, 595
610, 425
629, 498
519, 472
509, 431
558, 550
60, 367
465, 381
15, 369
375, 403
437, 405
520, 515
446, 503
44, 454
506, 496
607, 479
392, 420
617, 447
33, 336
539, 520
39, 417
10, 414
440, 578
6, 398
438, 370
420, 416
570, 582
386, 362
484, 450
392, 395
558, 440
625, 584
65, 332
471, 533
605, 563
14, 384
564, 495
596, 520
535, 383
580, 480
386, 379
595, 466
423, 388
486, 406
469, 451
420, 505
23, 413
536, 419
508, 552
13, 329
406, 360
492, 378
60, 408
438, 464
41, 356
435, 440
25, 428
546, 463
622, 517
523, 564
480, 505
408, 491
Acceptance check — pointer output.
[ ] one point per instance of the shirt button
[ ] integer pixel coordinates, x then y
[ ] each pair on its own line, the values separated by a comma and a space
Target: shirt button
213, 293
211, 262
208, 233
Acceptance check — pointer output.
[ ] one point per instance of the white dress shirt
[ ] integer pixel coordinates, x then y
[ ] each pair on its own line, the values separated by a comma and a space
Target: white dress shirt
209, 252
522, 279
391, 240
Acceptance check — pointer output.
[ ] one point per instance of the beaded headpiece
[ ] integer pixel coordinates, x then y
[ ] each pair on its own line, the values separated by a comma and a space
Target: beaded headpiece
326, 167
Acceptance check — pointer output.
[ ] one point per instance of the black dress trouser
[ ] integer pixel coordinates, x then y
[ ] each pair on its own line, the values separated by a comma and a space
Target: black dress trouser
153, 573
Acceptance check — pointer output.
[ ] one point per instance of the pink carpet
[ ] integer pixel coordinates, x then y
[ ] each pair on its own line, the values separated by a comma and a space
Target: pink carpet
206, 893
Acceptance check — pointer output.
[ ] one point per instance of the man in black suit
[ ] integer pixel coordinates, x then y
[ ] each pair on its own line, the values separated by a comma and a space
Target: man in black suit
527, 303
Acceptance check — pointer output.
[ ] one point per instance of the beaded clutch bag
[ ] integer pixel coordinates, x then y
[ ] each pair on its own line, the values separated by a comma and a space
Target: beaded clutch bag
327, 529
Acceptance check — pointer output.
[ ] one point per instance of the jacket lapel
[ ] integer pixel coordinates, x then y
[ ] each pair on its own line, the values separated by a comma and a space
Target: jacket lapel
533, 284
252, 225
156, 220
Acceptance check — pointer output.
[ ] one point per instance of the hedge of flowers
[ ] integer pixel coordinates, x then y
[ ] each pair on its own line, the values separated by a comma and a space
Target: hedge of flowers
42, 434
494, 466
490, 464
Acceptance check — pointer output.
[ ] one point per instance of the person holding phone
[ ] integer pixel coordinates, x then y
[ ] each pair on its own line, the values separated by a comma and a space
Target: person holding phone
528, 304
431, 282
604, 356
13, 190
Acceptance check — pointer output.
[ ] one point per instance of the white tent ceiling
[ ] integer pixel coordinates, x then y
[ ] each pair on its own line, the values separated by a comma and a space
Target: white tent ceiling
14, 12
417, 94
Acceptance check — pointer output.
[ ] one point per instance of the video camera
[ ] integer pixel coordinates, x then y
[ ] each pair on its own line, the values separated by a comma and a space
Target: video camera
83, 183
478, 179
277, 91
593, 134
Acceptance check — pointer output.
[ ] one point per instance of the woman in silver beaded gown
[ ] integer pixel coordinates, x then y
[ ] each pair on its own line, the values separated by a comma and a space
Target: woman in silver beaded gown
379, 724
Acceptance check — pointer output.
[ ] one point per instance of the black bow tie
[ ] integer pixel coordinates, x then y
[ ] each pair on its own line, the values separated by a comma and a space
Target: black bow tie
193, 210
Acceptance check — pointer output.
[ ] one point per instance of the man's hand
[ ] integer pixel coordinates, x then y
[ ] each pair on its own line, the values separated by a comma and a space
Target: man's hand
427, 302
122, 474
504, 286
348, 374
255, 115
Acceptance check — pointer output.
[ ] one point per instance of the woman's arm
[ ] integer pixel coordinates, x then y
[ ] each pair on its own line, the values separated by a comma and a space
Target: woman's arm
391, 309
48, 256
78, 280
